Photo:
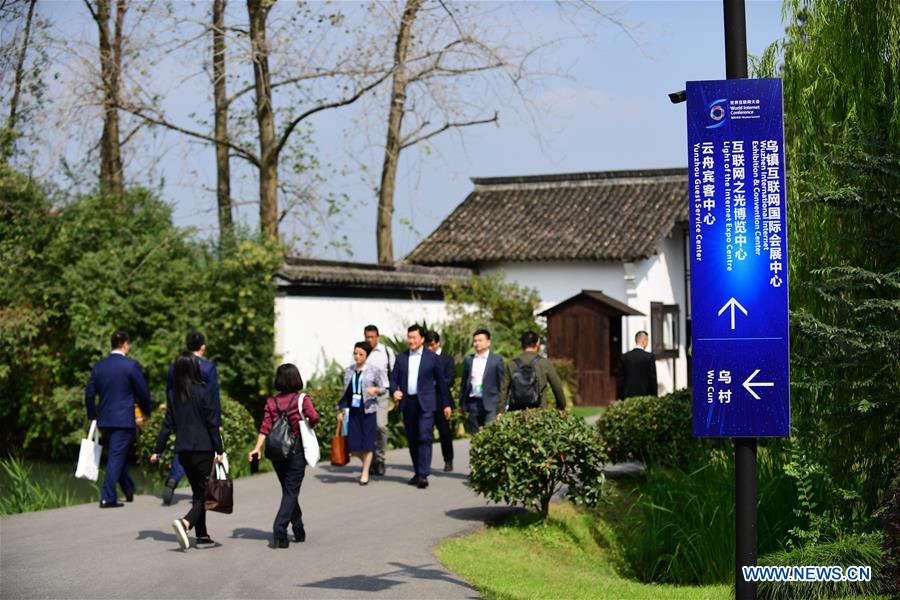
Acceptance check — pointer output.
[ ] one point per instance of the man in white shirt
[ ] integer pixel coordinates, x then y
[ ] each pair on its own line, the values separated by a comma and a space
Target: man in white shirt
418, 384
383, 358
482, 382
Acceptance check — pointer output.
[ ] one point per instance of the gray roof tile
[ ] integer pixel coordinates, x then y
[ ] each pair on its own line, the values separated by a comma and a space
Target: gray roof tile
323, 273
608, 216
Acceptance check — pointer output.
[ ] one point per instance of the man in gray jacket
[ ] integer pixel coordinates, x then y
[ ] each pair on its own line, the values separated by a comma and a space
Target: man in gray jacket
383, 358
482, 382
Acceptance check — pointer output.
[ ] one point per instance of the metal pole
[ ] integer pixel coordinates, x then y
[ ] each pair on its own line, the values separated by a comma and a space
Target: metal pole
744, 514
735, 39
744, 448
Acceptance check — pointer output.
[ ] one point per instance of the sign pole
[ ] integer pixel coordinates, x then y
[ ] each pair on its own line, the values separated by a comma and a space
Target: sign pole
744, 448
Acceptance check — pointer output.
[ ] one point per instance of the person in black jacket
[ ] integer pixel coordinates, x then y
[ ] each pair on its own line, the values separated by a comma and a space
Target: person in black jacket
637, 371
191, 414
445, 431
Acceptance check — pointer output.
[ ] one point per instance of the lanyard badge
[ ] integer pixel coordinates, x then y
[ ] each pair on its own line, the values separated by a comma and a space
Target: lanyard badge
356, 399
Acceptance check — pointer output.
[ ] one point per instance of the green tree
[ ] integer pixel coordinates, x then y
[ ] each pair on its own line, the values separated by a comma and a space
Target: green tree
840, 63
239, 315
74, 272
505, 308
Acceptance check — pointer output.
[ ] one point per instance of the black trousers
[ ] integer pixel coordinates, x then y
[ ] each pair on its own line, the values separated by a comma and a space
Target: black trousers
197, 467
290, 473
445, 433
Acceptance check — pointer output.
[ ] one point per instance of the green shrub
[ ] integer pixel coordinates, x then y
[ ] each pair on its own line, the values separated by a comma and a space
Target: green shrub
889, 513
854, 550
75, 269
680, 528
238, 436
23, 494
654, 430
525, 457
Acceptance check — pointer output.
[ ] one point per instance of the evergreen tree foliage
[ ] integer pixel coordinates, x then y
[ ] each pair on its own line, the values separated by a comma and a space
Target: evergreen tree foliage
74, 271
841, 68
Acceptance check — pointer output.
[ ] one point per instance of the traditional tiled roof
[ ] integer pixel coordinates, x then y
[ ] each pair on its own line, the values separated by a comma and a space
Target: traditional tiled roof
311, 273
600, 216
600, 298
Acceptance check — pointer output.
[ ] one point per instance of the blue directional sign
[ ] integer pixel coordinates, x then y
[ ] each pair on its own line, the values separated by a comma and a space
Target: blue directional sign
739, 261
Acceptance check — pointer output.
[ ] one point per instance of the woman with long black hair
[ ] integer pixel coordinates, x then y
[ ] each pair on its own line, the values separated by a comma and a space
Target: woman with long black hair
191, 415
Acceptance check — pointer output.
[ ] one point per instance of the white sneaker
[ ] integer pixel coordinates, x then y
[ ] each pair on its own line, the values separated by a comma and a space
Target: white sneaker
180, 534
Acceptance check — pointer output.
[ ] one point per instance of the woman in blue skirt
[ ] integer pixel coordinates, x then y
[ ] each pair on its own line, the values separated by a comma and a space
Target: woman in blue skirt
363, 384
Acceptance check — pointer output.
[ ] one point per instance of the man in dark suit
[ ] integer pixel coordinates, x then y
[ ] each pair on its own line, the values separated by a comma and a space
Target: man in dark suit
120, 384
445, 432
637, 371
418, 384
482, 382
196, 344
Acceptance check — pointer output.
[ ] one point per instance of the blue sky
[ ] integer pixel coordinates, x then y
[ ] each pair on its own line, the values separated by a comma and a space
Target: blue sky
617, 115
612, 114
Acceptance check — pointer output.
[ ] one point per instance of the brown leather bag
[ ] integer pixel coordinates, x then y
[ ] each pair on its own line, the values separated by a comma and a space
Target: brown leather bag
339, 454
219, 496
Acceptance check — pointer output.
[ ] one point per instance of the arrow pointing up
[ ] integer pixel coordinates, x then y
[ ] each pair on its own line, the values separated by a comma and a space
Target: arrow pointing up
733, 303
749, 386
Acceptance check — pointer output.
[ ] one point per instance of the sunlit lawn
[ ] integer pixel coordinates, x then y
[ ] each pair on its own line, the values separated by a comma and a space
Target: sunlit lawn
570, 557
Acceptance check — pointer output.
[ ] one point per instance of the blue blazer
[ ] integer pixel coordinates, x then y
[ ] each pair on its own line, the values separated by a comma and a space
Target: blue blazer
120, 384
492, 384
210, 375
432, 385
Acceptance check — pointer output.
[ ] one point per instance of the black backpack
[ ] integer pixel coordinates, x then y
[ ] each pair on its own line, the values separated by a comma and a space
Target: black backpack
523, 388
281, 443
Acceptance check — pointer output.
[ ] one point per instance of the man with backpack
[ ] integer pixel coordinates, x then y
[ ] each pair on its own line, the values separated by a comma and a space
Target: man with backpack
528, 375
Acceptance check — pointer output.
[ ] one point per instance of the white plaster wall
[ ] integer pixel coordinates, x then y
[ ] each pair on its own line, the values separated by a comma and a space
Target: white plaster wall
556, 282
659, 278
310, 331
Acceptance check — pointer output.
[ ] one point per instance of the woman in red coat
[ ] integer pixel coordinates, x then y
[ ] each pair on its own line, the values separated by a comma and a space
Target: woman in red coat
290, 470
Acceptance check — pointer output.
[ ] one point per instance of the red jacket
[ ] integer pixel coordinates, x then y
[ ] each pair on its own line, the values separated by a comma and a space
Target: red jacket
275, 406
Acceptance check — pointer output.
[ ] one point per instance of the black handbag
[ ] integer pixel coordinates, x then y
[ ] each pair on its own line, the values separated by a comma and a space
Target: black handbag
281, 443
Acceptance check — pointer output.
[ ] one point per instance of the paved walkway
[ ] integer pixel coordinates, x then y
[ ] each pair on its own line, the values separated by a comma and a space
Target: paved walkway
362, 542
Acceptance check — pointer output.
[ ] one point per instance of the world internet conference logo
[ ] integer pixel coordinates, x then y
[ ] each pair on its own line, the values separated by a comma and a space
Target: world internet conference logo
717, 113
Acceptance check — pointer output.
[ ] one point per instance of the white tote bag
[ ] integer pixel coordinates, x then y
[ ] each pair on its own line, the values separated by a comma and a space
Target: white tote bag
89, 455
308, 437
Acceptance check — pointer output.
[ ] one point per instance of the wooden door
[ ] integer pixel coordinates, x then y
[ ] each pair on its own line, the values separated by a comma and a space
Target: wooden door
590, 355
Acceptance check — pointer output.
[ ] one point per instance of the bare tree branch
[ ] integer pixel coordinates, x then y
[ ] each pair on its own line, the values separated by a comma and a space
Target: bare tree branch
240, 151
336, 104
413, 141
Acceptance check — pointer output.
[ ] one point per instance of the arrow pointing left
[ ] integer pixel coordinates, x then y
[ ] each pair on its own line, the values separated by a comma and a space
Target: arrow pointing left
749, 386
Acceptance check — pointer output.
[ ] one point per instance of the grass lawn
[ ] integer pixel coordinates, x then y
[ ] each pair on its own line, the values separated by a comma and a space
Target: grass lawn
572, 556
30, 485
586, 411
56, 485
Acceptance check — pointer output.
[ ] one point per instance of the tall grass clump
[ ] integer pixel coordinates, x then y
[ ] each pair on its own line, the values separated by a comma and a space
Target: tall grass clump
22, 493
680, 528
852, 550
